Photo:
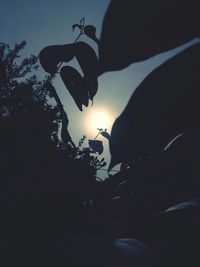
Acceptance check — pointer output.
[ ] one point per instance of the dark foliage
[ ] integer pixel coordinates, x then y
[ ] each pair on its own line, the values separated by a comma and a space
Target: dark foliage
157, 136
51, 56
45, 183
136, 30
74, 83
96, 145
82, 88
163, 106
52, 186
105, 134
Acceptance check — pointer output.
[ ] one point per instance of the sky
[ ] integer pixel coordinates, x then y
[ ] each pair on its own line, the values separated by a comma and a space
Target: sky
42, 23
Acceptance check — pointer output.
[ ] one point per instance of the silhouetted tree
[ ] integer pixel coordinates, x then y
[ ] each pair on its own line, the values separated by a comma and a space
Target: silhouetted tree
42, 173
29, 123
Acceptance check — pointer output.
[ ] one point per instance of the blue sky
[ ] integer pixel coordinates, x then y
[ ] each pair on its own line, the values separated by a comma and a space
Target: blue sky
42, 23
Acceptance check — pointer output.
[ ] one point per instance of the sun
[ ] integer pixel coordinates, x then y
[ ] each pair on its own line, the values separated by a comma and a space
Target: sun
99, 118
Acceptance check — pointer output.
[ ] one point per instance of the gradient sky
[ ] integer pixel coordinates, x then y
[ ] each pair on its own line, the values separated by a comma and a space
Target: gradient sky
42, 23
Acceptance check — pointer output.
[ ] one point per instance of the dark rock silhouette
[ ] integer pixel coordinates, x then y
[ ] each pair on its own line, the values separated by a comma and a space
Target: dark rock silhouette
163, 106
136, 30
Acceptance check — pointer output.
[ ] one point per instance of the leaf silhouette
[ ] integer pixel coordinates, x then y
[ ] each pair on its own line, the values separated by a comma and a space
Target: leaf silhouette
103, 164
75, 85
81, 88
65, 120
105, 134
102, 160
96, 145
89, 64
136, 30
51, 56
90, 31
163, 106
65, 136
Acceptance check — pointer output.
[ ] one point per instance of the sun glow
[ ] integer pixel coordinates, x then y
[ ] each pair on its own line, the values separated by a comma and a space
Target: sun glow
97, 119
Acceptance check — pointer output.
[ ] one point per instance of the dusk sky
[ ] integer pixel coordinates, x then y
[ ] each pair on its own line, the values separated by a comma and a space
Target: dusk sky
42, 23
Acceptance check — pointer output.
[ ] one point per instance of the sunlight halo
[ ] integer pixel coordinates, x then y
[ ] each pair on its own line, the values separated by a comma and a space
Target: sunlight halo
99, 118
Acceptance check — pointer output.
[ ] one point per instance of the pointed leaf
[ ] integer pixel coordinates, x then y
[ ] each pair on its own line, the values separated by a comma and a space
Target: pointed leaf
75, 85
103, 164
96, 145
89, 64
105, 134
102, 160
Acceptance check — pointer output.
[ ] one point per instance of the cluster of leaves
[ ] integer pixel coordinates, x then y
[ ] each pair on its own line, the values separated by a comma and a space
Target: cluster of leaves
33, 157
11, 70
29, 125
32, 124
22, 95
91, 153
